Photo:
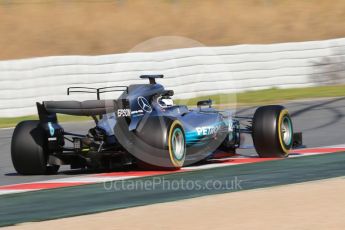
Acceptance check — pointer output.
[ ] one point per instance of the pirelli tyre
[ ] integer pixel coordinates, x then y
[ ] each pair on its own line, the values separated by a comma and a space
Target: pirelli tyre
28, 150
272, 131
177, 144
169, 136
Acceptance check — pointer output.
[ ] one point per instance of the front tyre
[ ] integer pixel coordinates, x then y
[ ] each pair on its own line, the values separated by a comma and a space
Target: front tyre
176, 145
272, 131
169, 139
28, 150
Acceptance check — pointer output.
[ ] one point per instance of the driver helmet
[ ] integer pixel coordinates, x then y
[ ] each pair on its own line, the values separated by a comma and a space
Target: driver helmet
165, 102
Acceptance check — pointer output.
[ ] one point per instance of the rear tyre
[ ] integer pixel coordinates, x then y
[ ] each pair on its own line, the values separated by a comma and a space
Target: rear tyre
28, 150
272, 131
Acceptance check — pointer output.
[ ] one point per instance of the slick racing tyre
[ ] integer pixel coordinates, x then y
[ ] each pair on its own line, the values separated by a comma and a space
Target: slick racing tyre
272, 131
28, 150
176, 144
170, 138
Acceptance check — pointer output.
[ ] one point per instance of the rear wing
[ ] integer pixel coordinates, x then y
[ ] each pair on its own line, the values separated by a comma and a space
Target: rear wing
48, 109
97, 91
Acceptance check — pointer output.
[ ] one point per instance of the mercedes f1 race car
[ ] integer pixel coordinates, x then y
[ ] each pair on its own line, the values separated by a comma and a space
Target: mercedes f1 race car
144, 127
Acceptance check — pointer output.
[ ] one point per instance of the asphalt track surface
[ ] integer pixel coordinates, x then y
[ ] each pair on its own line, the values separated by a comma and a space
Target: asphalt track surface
321, 121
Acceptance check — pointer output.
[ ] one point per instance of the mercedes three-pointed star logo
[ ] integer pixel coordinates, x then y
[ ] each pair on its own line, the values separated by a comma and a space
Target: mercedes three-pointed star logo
144, 104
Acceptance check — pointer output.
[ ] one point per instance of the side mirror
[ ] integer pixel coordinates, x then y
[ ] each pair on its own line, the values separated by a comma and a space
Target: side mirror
205, 103
168, 93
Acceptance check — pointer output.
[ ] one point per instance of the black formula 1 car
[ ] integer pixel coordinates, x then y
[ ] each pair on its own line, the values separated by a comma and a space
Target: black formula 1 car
144, 127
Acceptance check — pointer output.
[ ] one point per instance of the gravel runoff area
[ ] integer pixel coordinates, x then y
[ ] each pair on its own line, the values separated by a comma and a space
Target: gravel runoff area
311, 205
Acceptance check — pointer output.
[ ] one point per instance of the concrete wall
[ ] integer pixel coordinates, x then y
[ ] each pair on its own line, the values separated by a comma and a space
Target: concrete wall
190, 72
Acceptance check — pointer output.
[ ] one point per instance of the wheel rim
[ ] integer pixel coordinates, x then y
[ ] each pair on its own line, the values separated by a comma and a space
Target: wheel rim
286, 131
178, 144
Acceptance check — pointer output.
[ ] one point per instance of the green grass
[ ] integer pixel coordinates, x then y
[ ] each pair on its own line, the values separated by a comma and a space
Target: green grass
273, 95
258, 97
